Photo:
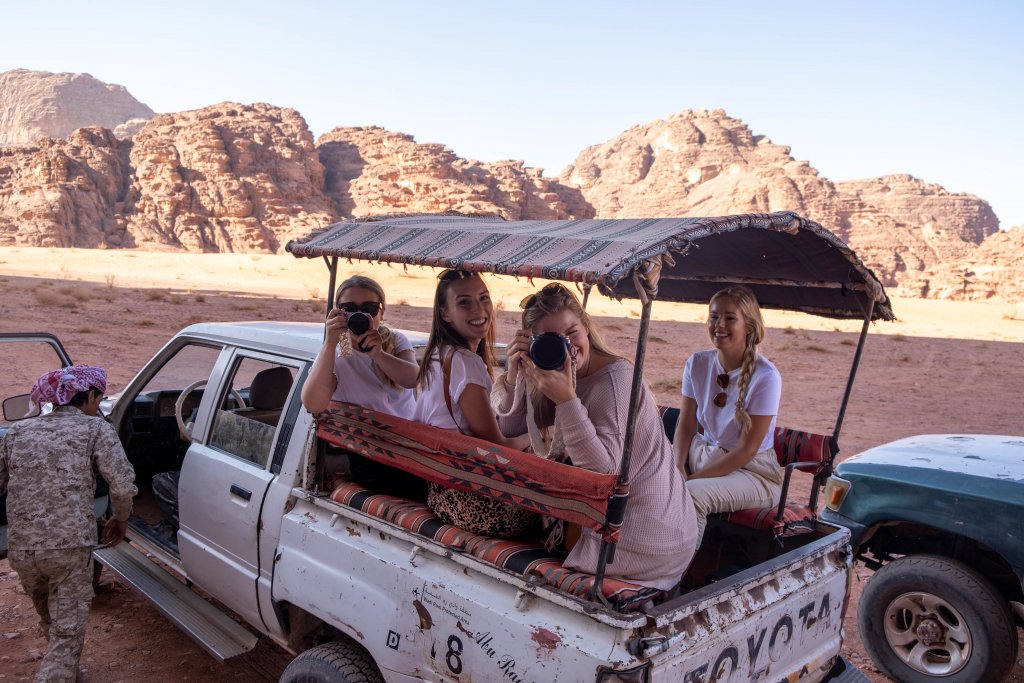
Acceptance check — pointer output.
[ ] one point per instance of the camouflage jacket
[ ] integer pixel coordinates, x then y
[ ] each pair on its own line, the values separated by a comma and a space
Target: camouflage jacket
48, 468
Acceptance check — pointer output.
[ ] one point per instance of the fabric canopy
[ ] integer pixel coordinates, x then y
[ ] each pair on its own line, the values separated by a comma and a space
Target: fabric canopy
790, 262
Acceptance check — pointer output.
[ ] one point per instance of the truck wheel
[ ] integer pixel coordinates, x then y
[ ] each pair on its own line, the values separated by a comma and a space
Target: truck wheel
927, 617
332, 663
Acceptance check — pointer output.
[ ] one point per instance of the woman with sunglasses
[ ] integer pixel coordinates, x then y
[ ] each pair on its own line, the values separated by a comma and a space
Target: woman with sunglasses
454, 386
578, 413
733, 393
375, 369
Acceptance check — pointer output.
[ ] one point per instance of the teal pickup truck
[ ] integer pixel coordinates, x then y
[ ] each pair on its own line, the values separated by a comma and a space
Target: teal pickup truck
941, 520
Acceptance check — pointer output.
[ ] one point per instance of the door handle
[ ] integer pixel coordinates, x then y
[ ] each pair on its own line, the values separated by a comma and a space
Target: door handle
240, 492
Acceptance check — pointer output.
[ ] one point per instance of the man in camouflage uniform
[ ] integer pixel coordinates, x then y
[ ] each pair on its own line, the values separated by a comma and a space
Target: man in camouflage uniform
48, 468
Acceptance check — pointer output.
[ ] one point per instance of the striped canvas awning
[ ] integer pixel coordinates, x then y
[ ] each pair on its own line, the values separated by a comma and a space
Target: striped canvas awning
789, 261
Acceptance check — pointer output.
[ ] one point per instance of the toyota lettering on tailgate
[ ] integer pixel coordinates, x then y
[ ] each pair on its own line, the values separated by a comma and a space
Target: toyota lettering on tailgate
752, 659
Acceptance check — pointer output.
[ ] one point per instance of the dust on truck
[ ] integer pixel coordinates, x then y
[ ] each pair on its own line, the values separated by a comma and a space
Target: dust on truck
367, 587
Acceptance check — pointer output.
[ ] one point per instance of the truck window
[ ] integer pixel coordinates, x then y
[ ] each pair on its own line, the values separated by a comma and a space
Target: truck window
247, 431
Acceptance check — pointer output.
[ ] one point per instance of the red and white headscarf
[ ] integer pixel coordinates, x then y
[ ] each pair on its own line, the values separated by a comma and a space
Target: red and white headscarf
60, 386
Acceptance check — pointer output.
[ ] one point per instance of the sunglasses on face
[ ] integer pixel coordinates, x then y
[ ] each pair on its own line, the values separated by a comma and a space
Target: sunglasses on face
547, 290
722, 397
370, 308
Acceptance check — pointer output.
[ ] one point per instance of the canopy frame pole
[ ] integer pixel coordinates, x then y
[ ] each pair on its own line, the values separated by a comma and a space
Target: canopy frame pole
849, 380
607, 553
586, 295
332, 267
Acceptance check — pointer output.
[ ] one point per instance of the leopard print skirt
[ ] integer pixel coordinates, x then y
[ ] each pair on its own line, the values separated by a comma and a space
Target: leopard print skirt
479, 514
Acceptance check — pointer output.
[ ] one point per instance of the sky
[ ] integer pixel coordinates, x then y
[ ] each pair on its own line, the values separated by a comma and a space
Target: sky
859, 89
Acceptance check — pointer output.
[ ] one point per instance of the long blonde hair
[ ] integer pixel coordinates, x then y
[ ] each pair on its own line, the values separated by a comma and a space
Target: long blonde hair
388, 342
443, 334
746, 302
553, 299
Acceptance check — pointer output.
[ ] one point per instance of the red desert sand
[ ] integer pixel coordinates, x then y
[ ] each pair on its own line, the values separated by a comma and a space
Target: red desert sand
942, 367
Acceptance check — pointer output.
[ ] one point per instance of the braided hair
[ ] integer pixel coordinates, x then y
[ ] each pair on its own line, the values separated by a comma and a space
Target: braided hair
746, 302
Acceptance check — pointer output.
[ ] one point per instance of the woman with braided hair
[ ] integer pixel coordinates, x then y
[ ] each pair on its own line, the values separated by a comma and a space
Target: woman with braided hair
578, 413
732, 393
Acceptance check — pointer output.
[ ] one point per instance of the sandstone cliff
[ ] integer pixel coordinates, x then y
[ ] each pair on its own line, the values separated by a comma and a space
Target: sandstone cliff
234, 177
229, 177
65, 193
912, 234
37, 104
373, 171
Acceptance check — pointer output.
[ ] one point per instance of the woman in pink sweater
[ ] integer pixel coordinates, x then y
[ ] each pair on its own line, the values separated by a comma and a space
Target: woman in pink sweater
579, 413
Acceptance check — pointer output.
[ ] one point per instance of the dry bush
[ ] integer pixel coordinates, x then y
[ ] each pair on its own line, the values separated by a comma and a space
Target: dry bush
156, 294
244, 306
146, 322
86, 330
657, 339
667, 384
192, 320
898, 337
51, 299
318, 306
788, 330
848, 342
818, 348
109, 279
200, 298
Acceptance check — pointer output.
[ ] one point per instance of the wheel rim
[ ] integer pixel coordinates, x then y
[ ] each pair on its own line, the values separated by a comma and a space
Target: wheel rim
928, 634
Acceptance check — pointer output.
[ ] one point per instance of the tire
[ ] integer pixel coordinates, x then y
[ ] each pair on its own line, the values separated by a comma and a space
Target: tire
927, 618
339, 662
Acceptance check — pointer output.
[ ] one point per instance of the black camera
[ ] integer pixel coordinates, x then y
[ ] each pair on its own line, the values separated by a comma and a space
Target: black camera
358, 322
549, 350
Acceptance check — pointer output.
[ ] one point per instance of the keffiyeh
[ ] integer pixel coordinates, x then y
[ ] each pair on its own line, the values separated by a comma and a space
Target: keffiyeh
60, 386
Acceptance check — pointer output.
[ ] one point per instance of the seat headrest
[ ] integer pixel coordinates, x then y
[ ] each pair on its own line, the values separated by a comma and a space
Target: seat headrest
270, 388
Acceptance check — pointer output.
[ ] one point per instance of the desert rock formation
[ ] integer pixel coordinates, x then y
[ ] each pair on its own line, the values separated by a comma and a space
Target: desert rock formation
915, 235
37, 104
373, 171
229, 177
233, 177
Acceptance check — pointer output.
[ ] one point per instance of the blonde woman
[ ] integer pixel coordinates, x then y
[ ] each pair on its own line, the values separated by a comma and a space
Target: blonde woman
578, 413
732, 392
370, 365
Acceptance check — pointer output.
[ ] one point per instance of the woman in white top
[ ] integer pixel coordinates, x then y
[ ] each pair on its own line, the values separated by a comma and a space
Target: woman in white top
455, 385
733, 393
579, 412
376, 369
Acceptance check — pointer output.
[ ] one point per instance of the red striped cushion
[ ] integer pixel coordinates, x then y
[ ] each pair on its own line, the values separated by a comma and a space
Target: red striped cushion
519, 556
796, 519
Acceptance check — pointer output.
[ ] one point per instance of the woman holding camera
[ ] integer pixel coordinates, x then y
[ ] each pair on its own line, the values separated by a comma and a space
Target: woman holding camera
733, 392
362, 361
455, 382
578, 411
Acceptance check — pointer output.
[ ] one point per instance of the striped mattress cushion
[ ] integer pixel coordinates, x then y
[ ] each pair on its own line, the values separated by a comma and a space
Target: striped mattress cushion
522, 557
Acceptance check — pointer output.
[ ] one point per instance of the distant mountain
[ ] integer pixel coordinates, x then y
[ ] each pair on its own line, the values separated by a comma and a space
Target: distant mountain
233, 177
36, 104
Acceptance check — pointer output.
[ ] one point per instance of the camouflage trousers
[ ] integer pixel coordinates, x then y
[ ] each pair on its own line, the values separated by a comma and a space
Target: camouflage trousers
60, 585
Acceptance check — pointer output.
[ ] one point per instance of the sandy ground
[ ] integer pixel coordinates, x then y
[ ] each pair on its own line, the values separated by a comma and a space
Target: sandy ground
942, 367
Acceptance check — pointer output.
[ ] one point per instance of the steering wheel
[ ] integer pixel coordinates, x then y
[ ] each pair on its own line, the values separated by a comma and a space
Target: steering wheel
185, 429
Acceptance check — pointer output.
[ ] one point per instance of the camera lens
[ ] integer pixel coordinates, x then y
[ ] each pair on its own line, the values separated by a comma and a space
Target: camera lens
358, 322
548, 351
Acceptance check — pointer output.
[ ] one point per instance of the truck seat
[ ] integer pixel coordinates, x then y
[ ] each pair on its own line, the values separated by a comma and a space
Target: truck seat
267, 394
523, 557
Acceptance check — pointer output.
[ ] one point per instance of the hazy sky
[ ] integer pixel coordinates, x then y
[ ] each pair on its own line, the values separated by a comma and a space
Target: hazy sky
859, 89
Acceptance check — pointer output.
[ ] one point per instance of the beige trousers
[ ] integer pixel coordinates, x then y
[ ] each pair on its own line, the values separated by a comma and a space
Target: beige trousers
755, 485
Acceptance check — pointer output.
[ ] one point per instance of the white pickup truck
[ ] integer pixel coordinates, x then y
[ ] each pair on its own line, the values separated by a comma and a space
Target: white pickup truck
362, 587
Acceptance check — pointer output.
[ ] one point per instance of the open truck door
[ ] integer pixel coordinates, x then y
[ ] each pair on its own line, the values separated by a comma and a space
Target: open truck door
26, 356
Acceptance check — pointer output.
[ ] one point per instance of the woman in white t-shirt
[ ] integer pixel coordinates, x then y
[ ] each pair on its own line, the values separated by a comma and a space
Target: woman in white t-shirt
733, 393
376, 369
455, 388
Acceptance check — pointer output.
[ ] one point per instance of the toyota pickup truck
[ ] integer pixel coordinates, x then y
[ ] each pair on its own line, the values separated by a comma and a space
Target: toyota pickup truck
366, 587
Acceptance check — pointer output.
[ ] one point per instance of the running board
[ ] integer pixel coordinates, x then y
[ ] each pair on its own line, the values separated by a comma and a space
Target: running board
214, 631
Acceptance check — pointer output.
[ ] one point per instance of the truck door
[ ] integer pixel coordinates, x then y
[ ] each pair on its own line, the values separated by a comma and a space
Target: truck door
225, 476
25, 357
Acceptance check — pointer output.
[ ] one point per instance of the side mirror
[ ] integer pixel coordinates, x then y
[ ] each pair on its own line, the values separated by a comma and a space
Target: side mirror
18, 408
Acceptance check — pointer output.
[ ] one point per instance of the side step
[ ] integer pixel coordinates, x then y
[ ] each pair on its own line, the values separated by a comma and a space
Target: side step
214, 631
